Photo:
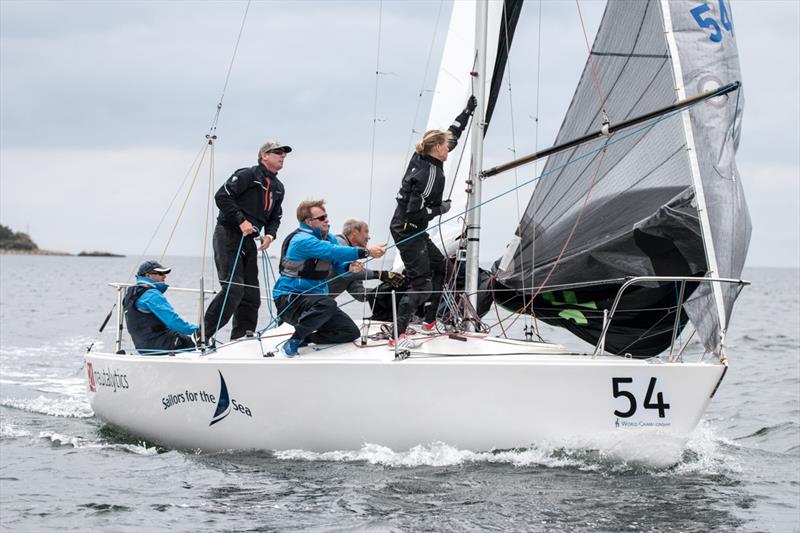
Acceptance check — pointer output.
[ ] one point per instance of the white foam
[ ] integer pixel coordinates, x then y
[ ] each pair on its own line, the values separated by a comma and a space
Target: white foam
70, 407
80, 442
707, 453
440, 454
10, 431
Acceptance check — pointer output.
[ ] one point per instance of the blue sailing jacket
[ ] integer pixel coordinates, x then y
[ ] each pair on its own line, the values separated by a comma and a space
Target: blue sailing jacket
309, 244
154, 301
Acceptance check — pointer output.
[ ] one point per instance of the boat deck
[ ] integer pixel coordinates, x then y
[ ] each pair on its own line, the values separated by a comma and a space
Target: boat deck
477, 348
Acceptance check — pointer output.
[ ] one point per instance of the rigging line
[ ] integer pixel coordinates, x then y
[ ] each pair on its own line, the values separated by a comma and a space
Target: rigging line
267, 291
230, 68
513, 134
183, 206
467, 128
536, 147
208, 209
591, 60
228, 289
422, 87
375, 112
200, 154
374, 134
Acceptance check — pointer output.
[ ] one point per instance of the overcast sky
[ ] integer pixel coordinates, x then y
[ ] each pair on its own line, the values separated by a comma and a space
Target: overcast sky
104, 106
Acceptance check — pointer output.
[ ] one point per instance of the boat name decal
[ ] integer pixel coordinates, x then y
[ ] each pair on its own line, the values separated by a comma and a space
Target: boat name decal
111, 379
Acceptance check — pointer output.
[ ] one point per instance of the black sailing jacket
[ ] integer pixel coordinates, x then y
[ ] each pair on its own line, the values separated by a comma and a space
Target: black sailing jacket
253, 194
420, 196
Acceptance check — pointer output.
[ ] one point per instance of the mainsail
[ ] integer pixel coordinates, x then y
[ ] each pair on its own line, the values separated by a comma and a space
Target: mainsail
663, 199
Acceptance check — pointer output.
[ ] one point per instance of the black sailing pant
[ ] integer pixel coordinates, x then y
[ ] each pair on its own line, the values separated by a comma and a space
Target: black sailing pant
244, 297
424, 274
316, 318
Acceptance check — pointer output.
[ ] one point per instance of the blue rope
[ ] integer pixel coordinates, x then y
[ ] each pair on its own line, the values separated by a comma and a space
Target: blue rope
228, 289
267, 291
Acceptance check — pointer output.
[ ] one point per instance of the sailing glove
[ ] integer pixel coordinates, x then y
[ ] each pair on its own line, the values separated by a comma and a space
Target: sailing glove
395, 279
445, 207
472, 103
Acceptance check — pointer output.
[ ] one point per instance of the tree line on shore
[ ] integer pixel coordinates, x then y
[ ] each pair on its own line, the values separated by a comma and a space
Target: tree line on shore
11, 240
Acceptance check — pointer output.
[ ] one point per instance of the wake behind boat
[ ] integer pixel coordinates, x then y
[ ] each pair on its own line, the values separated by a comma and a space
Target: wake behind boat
636, 233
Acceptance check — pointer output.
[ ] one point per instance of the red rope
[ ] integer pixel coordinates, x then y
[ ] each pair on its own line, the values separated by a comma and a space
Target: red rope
591, 59
566, 243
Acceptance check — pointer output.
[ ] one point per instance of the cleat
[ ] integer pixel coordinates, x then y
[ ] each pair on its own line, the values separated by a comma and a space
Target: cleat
290, 347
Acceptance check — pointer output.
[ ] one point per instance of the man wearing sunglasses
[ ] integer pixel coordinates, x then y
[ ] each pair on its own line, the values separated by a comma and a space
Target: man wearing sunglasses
153, 324
249, 201
301, 293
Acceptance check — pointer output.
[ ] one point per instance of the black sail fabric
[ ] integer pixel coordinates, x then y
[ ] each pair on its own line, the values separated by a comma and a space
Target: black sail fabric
627, 205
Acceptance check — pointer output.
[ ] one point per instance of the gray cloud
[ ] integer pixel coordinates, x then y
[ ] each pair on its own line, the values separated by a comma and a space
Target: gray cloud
105, 103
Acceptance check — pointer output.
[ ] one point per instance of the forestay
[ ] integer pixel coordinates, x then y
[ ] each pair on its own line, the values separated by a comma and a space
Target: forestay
628, 205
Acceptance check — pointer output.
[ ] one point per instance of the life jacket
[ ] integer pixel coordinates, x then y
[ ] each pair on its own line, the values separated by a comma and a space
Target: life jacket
316, 269
146, 330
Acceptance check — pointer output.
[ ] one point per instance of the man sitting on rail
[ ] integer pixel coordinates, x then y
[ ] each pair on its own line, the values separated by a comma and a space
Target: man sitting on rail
301, 292
356, 233
153, 324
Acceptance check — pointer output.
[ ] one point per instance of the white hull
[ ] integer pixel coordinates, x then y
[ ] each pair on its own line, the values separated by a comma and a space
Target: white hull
345, 396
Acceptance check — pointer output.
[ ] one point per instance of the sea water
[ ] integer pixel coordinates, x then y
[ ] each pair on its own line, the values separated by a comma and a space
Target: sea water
62, 470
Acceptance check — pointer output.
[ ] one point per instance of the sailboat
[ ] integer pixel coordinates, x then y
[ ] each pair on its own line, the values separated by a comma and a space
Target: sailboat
636, 233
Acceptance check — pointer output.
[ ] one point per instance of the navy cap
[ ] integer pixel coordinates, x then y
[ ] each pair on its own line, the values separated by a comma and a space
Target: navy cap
150, 267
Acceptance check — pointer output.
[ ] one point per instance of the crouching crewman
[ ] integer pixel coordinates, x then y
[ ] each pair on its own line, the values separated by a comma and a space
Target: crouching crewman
152, 322
301, 292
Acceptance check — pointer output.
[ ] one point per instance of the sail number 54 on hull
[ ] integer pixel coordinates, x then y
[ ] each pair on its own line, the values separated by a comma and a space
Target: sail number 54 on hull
639, 402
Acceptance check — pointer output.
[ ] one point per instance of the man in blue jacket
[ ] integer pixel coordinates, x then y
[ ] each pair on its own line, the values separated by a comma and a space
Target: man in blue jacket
153, 324
301, 292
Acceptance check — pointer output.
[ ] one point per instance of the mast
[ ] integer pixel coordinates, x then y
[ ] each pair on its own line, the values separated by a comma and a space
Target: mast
476, 164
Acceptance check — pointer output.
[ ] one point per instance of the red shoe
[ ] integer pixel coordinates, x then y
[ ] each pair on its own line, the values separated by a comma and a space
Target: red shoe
430, 329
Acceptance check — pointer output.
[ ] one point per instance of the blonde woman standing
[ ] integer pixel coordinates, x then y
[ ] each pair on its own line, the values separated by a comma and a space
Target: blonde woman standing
418, 202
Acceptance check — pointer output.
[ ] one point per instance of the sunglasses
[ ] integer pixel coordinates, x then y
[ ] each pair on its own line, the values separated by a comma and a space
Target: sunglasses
278, 151
159, 273
321, 218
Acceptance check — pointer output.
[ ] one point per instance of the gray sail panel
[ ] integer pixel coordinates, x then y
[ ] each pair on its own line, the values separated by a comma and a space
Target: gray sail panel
593, 201
705, 40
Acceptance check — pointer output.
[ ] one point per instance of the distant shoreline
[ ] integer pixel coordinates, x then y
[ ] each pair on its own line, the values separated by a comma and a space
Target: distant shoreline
5, 251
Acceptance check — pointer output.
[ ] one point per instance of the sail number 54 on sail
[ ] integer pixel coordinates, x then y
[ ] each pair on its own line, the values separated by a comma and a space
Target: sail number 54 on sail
654, 410
709, 21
